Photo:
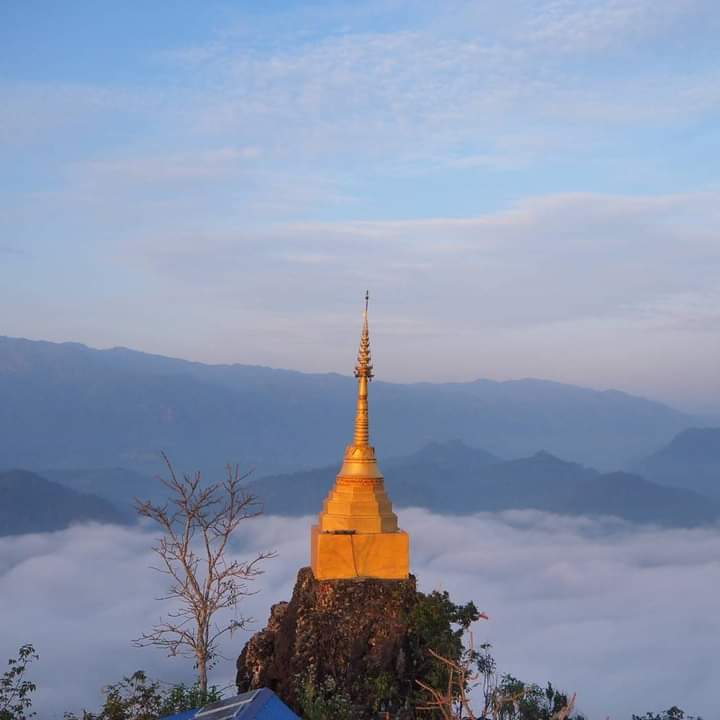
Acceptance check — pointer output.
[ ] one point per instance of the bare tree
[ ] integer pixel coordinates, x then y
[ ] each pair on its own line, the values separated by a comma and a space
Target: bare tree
197, 523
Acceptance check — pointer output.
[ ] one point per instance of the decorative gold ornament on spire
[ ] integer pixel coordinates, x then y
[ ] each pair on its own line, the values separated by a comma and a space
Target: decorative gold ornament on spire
357, 534
364, 366
364, 374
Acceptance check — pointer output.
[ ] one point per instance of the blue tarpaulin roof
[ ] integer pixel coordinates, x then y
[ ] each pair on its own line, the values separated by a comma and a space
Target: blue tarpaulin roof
185, 715
260, 704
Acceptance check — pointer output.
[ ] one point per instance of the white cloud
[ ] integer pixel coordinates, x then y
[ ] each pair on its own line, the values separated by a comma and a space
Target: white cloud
555, 259
624, 617
404, 94
596, 25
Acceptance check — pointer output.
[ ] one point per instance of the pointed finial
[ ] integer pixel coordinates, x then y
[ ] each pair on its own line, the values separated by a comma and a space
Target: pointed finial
364, 373
364, 365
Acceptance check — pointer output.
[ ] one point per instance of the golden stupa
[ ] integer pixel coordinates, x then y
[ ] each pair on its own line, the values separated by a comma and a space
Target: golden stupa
357, 534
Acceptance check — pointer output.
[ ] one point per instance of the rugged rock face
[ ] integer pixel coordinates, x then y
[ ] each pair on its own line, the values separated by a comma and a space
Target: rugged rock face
354, 631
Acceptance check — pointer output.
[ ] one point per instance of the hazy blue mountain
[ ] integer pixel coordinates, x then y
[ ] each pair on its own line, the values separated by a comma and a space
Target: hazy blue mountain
544, 482
691, 460
457, 479
118, 485
445, 477
430, 477
30, 503
640, 501
68, 406
452, 455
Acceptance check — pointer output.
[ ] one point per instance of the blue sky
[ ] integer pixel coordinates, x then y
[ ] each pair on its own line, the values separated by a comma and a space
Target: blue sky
527, 188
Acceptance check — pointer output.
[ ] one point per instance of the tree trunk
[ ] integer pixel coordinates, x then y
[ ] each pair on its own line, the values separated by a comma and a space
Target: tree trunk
202, 673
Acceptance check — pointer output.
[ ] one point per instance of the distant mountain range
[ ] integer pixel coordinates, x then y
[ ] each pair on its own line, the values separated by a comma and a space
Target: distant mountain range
119, 486
30, 503
449, 477
690, 460
67, 406
453, 478
70, 412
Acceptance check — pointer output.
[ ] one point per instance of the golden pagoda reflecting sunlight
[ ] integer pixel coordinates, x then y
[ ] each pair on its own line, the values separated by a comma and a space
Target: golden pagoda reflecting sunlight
357, 534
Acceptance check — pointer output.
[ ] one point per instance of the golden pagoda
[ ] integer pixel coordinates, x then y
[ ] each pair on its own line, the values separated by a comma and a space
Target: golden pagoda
357, 534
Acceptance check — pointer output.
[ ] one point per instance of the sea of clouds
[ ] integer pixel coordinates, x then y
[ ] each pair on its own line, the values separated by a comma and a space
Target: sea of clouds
625, 617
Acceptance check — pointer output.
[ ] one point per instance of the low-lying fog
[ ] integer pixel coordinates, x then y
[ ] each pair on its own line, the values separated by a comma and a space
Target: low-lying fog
627, 618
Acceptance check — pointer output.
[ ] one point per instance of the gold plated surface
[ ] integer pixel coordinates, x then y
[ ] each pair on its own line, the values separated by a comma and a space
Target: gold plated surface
357, 534
360, 555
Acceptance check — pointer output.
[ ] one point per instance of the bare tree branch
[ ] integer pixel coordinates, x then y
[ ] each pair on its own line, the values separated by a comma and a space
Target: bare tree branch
197, 523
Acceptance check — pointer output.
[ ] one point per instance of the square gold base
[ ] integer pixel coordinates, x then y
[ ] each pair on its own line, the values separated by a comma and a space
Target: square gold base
341, 556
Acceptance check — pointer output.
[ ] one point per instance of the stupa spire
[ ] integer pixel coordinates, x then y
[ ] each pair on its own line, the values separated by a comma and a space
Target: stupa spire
357, 533
364, 373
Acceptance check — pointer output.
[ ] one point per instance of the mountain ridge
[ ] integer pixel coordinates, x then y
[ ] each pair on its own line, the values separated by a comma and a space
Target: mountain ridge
690, 460
67, 406
31, 503
537, 482
168, 361
450, 478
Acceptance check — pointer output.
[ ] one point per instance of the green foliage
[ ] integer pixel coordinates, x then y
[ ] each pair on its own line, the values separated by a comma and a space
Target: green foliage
512, 699
382, 692
182, 697
436, 623
673, 713
15, 689
324, 701
137, 698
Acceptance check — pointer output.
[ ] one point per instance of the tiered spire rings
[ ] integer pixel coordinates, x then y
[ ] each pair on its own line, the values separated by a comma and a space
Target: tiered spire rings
364, 373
